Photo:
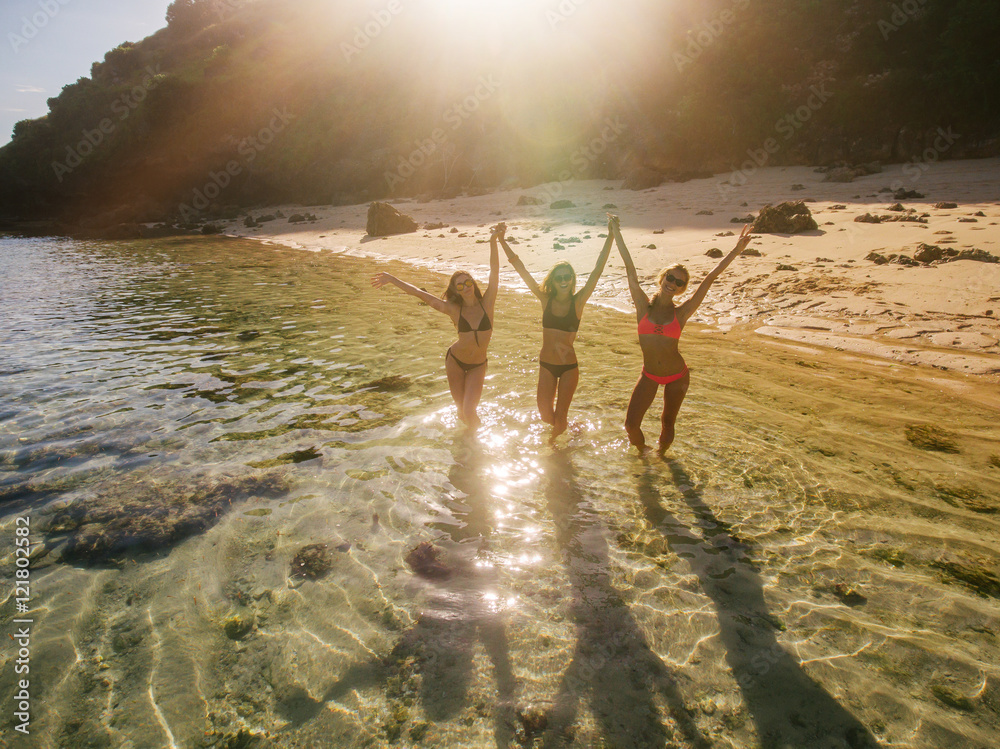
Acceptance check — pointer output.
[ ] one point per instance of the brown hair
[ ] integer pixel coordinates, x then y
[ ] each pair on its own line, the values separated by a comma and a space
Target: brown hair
548, 286
451, 293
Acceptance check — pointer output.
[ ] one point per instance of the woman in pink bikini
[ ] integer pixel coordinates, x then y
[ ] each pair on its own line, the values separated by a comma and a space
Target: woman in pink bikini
660, 325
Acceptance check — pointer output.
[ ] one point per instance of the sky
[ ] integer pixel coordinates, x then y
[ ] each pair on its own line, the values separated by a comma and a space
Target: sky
66, 37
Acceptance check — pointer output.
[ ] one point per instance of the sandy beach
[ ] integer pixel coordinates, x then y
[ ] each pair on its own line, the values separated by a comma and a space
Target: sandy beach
812, 289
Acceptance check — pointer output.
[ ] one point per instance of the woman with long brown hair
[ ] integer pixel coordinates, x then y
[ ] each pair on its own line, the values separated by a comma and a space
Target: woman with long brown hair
471, 310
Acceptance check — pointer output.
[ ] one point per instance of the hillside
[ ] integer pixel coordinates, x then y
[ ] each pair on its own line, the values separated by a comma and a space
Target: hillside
235, 104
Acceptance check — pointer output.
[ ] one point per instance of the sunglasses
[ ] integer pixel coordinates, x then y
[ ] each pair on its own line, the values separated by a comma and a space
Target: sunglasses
680, 282
465, 284
560, 278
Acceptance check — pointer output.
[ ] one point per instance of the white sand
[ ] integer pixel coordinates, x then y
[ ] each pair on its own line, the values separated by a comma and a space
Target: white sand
944, 316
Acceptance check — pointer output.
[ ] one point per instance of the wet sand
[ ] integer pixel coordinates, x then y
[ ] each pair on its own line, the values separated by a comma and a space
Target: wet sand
943, 316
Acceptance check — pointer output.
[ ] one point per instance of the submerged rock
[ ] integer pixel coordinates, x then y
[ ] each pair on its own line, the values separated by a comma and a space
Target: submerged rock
785, 218
976, 574
930, 437
952, 697
848, 595
425, 561
312, 562
390, 384
238, 626
562, 204
534, 720
143, 512
384, 220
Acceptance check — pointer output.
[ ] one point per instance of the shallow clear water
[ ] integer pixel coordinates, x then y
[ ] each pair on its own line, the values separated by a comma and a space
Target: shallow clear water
180, 418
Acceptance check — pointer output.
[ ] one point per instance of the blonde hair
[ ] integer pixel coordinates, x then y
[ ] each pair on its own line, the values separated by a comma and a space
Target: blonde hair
663, 274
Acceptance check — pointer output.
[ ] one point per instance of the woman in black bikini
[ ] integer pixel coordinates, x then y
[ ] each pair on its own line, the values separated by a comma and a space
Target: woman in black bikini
472, 312
559, 373
660, 325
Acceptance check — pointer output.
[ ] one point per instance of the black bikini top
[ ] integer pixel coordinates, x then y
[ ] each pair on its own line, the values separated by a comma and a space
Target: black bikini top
568, 322
484, 323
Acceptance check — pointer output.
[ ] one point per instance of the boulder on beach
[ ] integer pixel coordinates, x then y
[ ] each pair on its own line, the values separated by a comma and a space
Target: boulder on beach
928, 253
529, 200
384, 220
642, 178
784, 218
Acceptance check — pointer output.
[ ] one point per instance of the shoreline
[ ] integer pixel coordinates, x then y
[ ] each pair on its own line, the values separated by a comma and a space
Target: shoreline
815, 288
943, 316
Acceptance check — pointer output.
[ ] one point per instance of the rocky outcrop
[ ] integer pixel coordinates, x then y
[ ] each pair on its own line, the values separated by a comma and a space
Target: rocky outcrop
148, 512
930, 254
785, 218
643, 178
384, 220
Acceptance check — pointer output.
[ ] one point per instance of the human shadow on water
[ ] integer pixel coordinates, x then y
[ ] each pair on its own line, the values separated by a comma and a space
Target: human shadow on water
788, 708
460, 609
612, 664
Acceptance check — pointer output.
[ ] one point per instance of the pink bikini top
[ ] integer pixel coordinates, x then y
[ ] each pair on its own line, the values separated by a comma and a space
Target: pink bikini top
671, 329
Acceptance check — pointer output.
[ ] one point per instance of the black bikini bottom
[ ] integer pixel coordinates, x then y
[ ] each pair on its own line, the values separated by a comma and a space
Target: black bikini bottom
558, 370
465, 367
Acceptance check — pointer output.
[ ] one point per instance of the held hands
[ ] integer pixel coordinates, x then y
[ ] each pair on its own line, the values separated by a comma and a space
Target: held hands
614, 225
499, 231
381, 279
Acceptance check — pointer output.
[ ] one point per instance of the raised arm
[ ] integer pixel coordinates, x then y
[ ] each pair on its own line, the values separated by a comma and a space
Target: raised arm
519, 266
689, 306
588, 288
639, 297
381, 279
490, 295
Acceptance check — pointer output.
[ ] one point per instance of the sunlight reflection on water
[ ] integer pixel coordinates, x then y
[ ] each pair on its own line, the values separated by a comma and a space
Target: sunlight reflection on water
183, 420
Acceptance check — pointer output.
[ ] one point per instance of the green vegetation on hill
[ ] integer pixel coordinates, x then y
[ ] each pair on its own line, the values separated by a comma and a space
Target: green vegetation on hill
243, 102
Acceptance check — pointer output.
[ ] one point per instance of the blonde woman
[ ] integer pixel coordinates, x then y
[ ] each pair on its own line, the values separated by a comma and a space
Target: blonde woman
661, 320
